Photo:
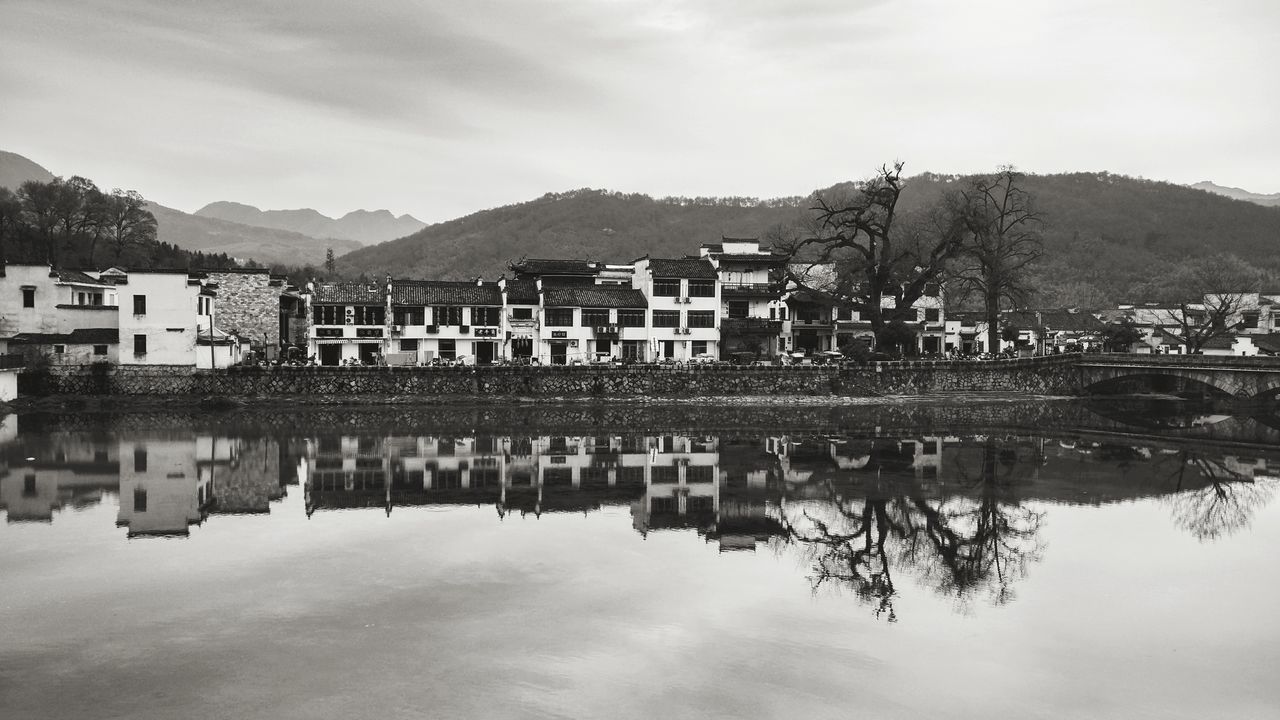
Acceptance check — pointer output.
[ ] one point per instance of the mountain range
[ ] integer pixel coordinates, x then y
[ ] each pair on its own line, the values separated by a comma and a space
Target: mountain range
1235, 193
366, 227
1108, 238
213, 235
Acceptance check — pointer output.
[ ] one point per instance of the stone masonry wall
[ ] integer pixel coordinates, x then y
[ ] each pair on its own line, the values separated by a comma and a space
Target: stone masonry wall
1048, 376
247, 305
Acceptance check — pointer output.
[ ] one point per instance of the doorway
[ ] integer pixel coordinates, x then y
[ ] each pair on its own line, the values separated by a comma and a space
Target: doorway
559, 353
370, 353
669, 349
486, 353
330, 354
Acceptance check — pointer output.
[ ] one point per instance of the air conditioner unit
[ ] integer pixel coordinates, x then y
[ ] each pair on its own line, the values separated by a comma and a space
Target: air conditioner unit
350, 320
397, 328
433, 329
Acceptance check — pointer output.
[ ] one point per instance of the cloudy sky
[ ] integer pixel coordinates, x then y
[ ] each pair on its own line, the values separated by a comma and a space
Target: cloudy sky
443, 108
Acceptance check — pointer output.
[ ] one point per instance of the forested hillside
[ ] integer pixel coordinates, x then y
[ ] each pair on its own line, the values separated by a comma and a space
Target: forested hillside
1107, 237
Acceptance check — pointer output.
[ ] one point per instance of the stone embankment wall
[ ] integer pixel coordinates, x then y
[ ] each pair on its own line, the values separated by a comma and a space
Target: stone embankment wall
1048, 376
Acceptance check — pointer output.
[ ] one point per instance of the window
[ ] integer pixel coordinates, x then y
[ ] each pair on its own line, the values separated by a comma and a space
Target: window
139, 304
140, 500
932, 314
664, 474
521, 313
631, 318
486, 316
59, 349
702, 288
447, 316
409, 316
448, 349
204, 305
594, 316
370, 315
559, 317
666, 288
702, 319
327, 315
1250, 320
666, 318
139, 344
409, 346
28, 297
739, 308
139, 459
699, 474
99, 349
29, 486
699, 347
633, 350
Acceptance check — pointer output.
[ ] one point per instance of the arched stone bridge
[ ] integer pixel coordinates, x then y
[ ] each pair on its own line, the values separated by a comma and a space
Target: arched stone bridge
1238, 377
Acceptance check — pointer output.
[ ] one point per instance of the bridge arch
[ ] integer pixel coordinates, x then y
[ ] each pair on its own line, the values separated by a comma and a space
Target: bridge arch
1156, 380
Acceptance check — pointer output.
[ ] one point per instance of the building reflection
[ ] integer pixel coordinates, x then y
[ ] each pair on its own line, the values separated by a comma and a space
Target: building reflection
163, 483
963, 500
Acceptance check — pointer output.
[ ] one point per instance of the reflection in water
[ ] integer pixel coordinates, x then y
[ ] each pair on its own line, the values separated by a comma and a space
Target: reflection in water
960, 514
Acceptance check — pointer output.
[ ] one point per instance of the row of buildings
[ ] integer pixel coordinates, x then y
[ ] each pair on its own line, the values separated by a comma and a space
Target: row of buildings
123, 316
730, 299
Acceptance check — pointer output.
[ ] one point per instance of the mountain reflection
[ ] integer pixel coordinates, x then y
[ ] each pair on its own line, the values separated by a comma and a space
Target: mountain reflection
961, 514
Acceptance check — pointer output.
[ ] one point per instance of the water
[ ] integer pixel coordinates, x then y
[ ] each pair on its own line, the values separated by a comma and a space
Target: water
944, 559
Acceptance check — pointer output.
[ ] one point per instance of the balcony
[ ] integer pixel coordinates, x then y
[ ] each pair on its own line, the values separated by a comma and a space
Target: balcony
749, 290
750, 325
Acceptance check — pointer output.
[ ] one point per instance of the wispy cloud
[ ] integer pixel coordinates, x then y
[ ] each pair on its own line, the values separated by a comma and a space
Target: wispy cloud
438, 108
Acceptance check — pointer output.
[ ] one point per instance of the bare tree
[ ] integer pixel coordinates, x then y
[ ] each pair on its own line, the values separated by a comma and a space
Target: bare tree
127, 221
1215, 291
859, 251
1001, 243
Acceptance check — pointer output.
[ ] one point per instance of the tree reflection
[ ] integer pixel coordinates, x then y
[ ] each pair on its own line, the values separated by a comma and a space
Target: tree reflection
1224, 504
974, 538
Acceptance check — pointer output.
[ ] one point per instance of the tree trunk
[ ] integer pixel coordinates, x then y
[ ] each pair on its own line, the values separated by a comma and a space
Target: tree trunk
993, 323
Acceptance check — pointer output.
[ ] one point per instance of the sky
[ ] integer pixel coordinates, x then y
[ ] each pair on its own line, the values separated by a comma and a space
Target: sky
441, 108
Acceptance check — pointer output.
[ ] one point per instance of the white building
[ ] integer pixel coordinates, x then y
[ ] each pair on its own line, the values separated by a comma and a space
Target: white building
684, 306
166, 317
753, 317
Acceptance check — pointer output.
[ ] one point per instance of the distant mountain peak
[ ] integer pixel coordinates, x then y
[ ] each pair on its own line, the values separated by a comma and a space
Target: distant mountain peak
366, 227
1235, 193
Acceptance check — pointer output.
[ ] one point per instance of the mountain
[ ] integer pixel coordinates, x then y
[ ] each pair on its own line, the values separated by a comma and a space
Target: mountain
265, 245
1107, 237
15, 170
1272, 200
207, 235
363, 226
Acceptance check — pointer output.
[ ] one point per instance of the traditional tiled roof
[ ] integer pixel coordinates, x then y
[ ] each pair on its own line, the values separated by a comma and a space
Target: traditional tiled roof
349, 293
598, 296
522, 292
95, 336
1221, 342
682, 268
536, 266
75, 276
770, 258
1269, 344
440, 292
1056, 319
81, 336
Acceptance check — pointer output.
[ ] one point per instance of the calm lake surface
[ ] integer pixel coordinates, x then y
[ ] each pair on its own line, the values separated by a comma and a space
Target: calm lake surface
937, 559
